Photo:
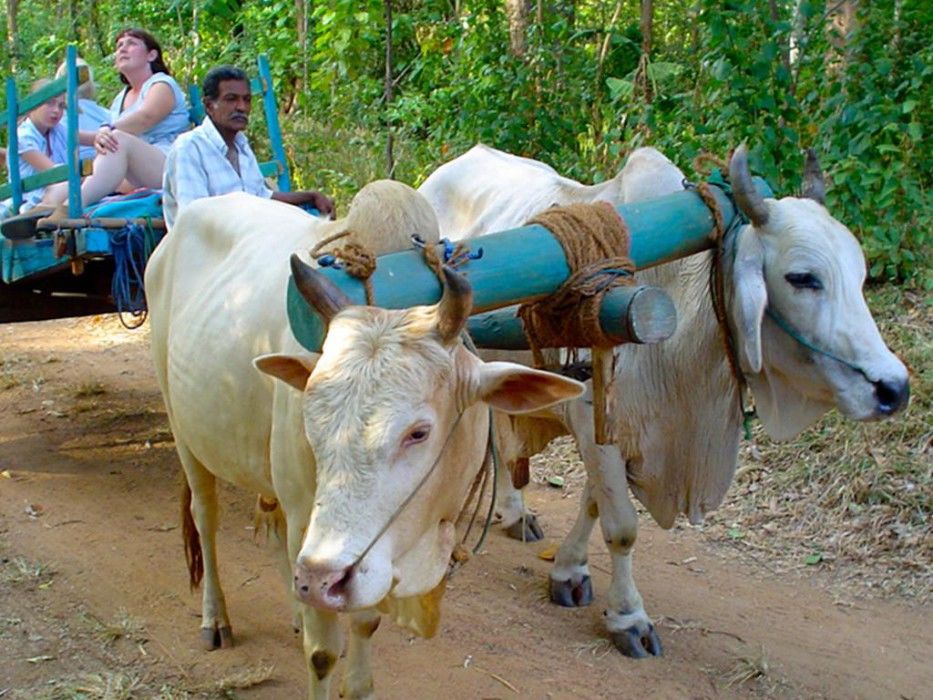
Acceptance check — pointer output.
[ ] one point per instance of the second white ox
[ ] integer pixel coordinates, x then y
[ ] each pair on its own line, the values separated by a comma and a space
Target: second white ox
369, 447
677, 416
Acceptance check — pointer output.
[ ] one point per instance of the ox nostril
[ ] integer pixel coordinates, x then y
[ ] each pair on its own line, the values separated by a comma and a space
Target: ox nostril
891, 396
301, 586
338, 588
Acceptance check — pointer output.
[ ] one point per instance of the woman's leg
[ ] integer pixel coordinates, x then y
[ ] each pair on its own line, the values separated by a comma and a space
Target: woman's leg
135, 161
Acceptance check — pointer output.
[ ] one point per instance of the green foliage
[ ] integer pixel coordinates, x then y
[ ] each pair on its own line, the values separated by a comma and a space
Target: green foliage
774, 74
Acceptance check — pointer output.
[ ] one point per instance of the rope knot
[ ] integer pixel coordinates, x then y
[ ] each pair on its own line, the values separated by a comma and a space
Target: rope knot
358, 260
596, 243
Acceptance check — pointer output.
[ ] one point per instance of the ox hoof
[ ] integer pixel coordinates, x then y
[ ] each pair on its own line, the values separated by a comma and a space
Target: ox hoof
525, 529
637, 644
565, 594
216, 638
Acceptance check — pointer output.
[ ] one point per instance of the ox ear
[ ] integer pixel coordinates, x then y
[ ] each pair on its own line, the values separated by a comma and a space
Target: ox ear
749, 299
294, 370
517, 389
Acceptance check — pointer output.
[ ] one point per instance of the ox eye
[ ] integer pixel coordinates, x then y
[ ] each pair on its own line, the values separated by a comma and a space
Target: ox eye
803, 280
416, 435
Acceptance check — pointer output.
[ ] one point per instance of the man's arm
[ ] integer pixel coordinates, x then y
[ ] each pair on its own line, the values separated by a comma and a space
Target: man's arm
321, 202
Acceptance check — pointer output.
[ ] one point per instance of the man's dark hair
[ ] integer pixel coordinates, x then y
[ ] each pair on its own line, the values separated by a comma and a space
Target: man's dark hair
210, 89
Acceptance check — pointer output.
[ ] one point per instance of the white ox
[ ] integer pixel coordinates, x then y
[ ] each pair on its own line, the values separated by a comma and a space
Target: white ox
677, 417
392, 408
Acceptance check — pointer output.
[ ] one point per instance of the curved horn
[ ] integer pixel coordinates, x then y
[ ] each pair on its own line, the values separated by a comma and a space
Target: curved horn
813, 185
453, 310
750, 202
320, 293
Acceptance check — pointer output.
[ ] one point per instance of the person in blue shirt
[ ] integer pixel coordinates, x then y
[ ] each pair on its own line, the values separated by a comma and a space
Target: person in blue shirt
145, 118
91, 116
42, 143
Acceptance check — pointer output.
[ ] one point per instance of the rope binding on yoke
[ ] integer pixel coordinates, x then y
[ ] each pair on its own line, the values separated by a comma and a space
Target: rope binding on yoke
722, 231
596, 244
355, 258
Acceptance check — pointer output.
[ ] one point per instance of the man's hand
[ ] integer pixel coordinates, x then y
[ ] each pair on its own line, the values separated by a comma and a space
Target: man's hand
322, 203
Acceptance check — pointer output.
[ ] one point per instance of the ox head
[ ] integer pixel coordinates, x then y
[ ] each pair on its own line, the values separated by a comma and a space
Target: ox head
393, 409
806, 339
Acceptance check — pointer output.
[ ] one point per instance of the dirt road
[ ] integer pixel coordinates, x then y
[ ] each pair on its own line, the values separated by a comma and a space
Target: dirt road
93, 587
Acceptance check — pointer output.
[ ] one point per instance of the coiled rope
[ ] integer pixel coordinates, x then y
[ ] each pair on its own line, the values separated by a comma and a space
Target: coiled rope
131, 245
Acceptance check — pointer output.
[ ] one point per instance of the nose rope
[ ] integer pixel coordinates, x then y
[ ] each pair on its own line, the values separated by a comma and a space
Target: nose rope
785, 326
410, 496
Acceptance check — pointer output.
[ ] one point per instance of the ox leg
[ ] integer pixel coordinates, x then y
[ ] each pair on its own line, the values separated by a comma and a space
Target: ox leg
320, 631
358, 677
570, 583
518, 522
215, 625
321, 641
630, 628
268, 517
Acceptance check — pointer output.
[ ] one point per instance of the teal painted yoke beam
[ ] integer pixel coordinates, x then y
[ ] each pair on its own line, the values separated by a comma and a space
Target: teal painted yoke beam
637, 314
523, 264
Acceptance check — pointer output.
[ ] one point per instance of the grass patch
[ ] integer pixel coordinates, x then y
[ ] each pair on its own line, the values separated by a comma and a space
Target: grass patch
89, 389
123, 626
748, 667
107, 685
245, 678
20, 570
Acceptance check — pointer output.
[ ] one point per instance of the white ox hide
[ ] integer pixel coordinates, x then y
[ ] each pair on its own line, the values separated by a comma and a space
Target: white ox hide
393, 405
677, 417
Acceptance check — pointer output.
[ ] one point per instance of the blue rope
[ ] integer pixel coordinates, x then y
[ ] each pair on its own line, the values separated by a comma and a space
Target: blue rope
129, 258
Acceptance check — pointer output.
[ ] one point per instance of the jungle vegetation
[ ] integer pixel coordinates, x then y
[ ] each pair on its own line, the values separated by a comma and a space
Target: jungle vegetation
376, 88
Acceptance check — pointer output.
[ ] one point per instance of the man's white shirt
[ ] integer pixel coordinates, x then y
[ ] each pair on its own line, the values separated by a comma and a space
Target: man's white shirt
197, 167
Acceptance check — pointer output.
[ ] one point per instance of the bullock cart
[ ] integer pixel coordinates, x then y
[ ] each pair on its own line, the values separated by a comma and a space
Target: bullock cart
93, 261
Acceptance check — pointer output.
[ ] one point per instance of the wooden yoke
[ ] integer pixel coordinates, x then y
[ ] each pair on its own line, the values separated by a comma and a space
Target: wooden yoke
528, 263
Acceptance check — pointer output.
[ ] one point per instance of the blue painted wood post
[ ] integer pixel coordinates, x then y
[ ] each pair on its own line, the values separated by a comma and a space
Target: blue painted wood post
272, 122
71, 104
12, 113
523, 264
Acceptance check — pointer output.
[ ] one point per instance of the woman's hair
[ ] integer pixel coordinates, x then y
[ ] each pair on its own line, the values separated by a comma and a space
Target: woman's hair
158, 65
86, 90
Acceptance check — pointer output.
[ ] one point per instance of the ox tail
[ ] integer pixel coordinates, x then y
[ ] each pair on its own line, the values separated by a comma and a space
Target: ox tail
189, 533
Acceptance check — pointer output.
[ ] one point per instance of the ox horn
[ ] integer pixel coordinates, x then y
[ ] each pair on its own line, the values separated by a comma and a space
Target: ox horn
750, 202
813, 185
322, 294
453, 310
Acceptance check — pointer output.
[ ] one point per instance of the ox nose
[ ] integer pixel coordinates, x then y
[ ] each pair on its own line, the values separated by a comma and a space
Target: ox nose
891, 396
322, 586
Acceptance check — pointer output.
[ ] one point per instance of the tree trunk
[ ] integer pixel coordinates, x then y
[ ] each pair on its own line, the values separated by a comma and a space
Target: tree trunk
388, 90
303, 11
12, 32
517, 13
646, 25
841, 22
